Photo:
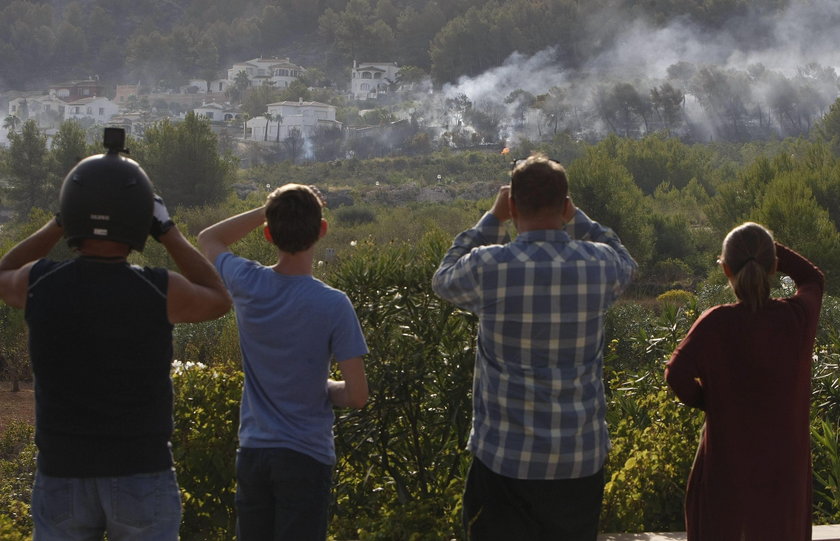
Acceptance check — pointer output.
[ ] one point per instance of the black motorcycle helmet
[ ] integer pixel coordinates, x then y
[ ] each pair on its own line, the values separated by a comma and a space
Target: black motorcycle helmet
107, 196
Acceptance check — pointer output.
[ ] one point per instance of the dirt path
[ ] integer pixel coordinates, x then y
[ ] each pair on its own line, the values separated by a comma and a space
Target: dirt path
16, 406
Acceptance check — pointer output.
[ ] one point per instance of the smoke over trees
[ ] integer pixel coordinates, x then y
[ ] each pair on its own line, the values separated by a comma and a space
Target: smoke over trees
768, 72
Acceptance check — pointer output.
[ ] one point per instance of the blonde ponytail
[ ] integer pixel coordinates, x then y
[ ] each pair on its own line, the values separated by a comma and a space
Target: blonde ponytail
750, 254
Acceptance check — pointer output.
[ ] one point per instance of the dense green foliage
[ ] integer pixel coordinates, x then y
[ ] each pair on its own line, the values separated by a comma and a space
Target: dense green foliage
17, 473
204, 445
32, 185
402, 457
184, 162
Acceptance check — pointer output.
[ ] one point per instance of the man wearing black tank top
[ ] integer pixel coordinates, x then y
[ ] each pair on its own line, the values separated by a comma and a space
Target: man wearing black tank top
100, 341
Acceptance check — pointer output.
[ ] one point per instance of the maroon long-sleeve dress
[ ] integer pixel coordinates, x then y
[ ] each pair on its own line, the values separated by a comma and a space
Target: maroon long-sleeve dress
751, 374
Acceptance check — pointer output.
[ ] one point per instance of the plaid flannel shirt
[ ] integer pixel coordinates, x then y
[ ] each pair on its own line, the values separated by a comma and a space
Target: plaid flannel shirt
538, 393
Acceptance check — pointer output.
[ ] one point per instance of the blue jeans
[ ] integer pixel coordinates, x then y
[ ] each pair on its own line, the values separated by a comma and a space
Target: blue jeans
281, 495
498, 508
130, 508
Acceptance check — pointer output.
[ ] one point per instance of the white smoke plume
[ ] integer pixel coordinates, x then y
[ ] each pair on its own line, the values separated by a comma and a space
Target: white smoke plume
798, 47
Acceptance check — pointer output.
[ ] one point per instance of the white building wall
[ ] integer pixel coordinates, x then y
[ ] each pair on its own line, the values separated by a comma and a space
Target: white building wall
303, 116
100, 110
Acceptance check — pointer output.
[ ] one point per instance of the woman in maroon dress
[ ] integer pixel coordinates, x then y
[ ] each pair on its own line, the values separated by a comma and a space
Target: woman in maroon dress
748, 367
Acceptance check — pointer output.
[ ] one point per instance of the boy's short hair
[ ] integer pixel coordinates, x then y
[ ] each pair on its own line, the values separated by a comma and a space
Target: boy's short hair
538, 184
293, 215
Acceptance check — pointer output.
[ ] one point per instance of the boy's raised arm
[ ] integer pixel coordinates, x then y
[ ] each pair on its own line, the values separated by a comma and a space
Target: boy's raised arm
215, 239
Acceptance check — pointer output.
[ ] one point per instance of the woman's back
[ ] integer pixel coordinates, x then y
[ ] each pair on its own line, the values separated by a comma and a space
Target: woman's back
750, 372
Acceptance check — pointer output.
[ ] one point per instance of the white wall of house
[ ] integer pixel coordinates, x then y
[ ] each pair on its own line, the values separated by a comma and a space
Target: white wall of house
47, 111
286, 116
216, 112
201, 86
99, 109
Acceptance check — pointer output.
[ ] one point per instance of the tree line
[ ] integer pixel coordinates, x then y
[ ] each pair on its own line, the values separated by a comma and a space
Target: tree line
162, 43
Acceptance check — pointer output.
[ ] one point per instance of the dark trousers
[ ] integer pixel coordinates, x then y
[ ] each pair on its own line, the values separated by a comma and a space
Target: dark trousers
498, 508
281, 495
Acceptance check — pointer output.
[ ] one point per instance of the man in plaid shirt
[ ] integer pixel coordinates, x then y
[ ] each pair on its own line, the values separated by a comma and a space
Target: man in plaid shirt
539, 438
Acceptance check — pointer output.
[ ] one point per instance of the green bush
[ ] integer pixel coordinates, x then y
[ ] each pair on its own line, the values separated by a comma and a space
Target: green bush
17, 473
402, 458
677, 298
649, 463
825, 416
10, 532
204, 446
654, 437
826, 439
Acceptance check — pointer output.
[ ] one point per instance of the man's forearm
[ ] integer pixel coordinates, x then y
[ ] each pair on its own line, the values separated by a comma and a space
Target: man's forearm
34, 247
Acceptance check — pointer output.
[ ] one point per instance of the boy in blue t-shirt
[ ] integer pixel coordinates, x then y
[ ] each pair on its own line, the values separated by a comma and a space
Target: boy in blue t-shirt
291, 327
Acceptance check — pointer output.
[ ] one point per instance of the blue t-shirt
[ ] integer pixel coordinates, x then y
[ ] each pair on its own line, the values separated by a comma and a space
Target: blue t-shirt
290, 329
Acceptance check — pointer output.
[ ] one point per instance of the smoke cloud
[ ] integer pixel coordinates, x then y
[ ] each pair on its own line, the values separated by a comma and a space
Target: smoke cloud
760, 73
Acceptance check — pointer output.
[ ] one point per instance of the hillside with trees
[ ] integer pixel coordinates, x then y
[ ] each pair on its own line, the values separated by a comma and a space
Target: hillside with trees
162, 42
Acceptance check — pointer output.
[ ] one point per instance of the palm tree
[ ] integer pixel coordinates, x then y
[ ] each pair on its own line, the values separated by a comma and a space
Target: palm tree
268, 118
279, 118
11, 123
241, 83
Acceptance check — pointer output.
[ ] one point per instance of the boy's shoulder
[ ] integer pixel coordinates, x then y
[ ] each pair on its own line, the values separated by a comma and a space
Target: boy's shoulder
328, 289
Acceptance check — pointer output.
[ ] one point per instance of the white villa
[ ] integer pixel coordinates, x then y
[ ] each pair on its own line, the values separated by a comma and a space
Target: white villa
74, 100
277, 71
99, 109
284, 117
369, 79
216, 112
46, 110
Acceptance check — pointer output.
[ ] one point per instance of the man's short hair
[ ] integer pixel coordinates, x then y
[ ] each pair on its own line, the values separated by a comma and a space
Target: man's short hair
293, 215
538, 184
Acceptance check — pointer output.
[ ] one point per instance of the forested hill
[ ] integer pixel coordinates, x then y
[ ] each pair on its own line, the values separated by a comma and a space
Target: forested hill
163, 42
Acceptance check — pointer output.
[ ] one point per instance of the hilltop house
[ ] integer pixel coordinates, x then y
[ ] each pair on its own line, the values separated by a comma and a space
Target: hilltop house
277, 71
369, 79
284, 117
100, 110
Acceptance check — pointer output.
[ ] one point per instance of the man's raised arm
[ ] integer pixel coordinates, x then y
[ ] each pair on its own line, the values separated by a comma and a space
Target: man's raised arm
15, 264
